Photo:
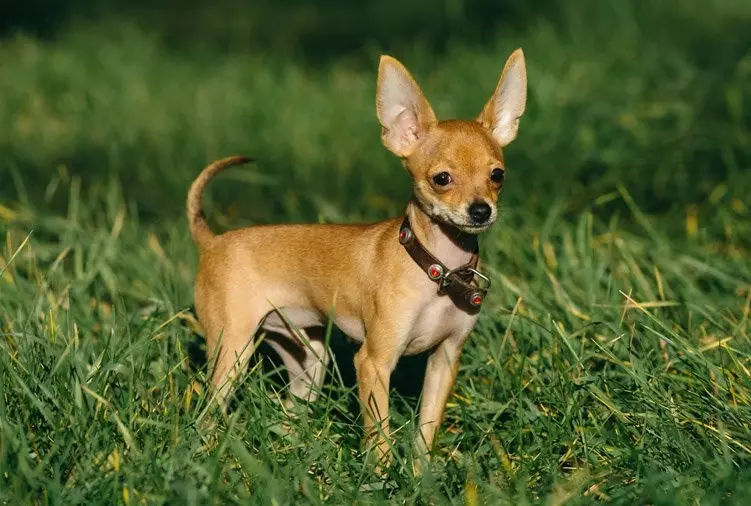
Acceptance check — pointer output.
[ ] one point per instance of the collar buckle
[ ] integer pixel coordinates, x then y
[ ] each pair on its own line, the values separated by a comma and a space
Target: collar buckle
485, 285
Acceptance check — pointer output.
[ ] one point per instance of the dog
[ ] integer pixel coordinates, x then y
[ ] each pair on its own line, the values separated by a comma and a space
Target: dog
402, 286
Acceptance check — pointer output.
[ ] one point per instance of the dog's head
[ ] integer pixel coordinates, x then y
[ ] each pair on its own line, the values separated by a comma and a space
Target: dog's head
457, 166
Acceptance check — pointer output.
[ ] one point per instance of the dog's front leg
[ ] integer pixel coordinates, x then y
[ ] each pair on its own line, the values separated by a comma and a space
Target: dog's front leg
440, 374
374, 363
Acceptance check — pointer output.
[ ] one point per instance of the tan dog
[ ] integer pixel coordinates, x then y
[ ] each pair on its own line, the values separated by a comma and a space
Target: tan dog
375, 281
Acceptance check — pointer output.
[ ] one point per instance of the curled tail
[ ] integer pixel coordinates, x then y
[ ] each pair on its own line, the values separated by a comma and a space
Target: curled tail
199, 228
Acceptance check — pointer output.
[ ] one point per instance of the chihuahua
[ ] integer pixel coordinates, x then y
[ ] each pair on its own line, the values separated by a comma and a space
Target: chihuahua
399, 287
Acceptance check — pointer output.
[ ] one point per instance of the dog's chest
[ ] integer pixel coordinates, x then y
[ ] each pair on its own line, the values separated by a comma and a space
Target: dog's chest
437, 320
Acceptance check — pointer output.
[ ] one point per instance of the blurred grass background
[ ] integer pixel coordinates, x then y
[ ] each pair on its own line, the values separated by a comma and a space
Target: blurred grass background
612, 360
152, 95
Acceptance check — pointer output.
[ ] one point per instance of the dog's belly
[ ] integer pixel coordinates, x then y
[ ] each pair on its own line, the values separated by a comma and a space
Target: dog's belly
352, 327
436, 321
301, 318
439, 320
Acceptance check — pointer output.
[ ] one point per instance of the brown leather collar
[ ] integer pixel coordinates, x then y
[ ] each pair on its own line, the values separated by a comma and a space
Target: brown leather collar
461, 284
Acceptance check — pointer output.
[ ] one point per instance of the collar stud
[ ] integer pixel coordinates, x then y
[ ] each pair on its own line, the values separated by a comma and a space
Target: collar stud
435, 271
476, 299
405, 234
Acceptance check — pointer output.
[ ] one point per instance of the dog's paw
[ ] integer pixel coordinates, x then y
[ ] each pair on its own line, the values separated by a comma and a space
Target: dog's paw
379, 457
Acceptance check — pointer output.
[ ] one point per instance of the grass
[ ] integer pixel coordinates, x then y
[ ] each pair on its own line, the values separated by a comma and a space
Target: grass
611, 362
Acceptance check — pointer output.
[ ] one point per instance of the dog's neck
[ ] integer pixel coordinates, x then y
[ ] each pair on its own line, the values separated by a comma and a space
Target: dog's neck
448, 244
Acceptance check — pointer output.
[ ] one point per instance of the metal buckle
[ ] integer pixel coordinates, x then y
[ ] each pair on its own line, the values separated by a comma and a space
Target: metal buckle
483, 278
444, 280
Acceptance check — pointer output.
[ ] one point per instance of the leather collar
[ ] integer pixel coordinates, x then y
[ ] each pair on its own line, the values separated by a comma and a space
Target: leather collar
465, 286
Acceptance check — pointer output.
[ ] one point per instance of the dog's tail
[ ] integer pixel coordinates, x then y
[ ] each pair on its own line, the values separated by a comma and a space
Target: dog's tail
199, 228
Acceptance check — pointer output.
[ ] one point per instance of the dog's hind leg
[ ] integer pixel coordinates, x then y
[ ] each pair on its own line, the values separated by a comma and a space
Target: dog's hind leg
231, 343
305, 358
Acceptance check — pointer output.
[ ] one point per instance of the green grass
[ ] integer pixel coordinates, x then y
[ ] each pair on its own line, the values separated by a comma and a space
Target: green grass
611, 362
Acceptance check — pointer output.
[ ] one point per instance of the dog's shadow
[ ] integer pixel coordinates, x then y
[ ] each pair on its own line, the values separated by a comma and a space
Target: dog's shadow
341, 379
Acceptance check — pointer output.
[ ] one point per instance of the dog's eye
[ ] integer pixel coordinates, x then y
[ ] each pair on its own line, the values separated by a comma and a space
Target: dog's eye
442, 178
497, 175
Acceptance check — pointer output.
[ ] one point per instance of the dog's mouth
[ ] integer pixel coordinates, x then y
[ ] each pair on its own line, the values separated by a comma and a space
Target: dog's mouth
454, 219
463, 225
472, 228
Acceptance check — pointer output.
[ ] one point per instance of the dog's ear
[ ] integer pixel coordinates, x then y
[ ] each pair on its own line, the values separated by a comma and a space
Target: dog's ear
403, 111
502, 112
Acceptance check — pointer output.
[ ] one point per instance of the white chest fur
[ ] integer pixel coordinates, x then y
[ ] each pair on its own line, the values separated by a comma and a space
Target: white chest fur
437, 320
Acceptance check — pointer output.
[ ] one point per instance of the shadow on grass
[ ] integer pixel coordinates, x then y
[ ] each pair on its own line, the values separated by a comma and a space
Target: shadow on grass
406, 380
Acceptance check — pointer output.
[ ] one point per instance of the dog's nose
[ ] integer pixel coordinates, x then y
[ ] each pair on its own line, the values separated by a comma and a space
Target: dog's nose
479, 212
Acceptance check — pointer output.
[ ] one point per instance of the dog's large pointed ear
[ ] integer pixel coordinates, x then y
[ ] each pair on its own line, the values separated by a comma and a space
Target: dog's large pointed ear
502, 112
403, 111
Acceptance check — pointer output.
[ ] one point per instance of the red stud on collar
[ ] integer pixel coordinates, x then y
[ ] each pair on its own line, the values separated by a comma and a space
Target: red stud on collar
405, 234
476, 299
435, 271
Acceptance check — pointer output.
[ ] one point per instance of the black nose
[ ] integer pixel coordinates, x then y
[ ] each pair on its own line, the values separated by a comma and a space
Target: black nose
479, 212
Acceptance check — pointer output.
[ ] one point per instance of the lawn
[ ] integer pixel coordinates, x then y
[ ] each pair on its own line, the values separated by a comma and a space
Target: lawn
611, 361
